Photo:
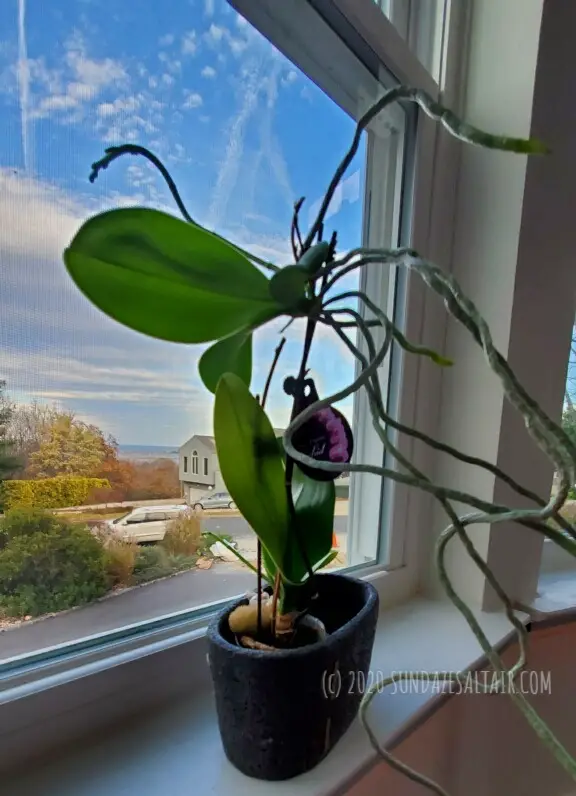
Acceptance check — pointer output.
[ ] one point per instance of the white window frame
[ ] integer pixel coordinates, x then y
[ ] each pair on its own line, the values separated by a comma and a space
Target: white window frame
194, 462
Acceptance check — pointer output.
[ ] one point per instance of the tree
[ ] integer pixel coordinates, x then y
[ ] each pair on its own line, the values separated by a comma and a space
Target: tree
154, 479
68, 447
571, 375
9, 462
27, 426
569, 422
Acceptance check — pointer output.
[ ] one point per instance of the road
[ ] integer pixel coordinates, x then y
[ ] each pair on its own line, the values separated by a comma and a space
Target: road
184, 591
239, 528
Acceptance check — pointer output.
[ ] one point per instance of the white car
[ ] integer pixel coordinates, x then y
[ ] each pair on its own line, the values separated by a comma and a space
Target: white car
146, 523
214, 500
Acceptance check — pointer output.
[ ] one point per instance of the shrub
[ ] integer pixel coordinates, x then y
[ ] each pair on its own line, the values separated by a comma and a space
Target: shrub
151, 563
183, 534
27, 521
119, 557
49, 493
58, 566
154, 562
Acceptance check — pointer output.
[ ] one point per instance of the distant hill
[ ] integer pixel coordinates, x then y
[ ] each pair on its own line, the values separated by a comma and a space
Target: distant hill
148, 452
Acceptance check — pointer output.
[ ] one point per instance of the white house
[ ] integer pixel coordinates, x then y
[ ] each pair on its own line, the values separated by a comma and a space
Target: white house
198, 467
199, 471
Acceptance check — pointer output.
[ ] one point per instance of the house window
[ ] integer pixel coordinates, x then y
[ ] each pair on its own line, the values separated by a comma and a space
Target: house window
300, 89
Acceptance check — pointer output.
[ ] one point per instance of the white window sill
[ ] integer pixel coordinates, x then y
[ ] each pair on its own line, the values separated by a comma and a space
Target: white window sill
176, 747
556, 594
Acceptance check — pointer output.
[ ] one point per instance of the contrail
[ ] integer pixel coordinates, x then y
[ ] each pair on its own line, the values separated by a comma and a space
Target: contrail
230, 165
23, 81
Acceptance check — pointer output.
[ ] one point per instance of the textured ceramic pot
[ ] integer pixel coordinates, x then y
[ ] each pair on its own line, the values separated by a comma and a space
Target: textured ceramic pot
281, 712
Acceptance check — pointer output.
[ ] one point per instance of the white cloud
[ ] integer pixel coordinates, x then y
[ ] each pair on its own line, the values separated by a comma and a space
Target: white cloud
172, 64
94, 74
209, 8
34, 216
216, 33
57, 102
237, 45
167, 79
167, 40
189, 43
74, 85
120, 105
290, 78
192, 99
208, 72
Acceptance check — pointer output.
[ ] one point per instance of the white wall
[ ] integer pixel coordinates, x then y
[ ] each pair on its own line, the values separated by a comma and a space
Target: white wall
514, 238
203, 451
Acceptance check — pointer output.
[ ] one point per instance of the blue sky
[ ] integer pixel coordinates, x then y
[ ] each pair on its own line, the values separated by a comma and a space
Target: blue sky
244, 134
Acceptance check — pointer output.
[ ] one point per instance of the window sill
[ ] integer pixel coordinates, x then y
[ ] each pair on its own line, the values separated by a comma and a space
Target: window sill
556, 595
177, 742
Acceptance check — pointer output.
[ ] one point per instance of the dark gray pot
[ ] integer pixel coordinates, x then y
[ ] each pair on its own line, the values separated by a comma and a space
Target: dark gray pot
281, 712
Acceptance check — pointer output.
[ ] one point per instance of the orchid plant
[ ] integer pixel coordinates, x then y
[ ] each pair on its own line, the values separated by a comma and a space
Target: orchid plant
174, 280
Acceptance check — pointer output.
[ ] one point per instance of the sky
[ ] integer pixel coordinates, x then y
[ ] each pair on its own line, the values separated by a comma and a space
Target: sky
244, 134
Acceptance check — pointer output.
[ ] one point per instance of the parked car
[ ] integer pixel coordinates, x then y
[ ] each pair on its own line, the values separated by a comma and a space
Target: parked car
146, 523
214, 500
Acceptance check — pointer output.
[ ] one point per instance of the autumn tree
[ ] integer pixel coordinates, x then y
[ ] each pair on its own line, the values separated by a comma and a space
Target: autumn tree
155, 479
27, 427
9, 462
68, 447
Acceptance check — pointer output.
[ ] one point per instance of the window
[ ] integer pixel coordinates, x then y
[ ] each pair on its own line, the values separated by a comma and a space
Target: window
557, 565
155, 516
236, 84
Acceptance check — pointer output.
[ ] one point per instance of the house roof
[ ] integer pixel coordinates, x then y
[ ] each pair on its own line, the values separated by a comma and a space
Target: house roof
209, 441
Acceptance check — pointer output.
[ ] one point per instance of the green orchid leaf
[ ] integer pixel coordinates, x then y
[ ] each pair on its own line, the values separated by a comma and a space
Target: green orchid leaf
166, 278
251, 464
288, 287
314, 504
230, 355
327, 560
269, 567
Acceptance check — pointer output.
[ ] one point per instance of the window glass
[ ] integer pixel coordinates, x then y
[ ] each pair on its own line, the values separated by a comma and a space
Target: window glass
557, 564
245, 131
153, 516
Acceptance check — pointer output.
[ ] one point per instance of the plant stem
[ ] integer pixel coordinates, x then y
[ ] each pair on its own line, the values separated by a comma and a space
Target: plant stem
114, 152
277, 353
309, 334
259, 585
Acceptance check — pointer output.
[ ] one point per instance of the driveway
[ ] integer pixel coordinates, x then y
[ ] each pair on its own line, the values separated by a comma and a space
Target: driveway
183, 591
